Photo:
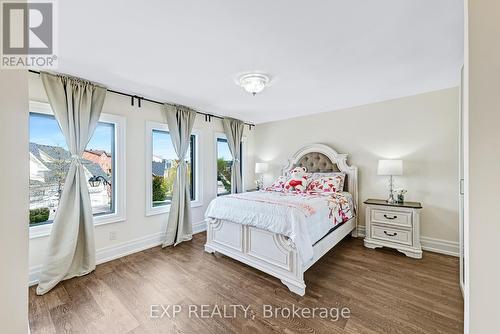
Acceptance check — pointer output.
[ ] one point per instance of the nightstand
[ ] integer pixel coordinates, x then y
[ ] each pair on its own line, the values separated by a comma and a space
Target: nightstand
393, 225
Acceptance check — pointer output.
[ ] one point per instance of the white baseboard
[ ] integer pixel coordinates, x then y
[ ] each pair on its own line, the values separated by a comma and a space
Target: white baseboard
361, 231
430, 244
199, 226
123, 249
440, 246
34, 273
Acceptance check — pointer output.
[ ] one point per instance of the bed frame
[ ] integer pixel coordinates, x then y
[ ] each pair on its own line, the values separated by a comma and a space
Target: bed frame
274, 253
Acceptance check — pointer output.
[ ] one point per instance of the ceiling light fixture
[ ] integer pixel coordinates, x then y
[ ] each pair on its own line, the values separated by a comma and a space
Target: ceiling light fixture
253, 83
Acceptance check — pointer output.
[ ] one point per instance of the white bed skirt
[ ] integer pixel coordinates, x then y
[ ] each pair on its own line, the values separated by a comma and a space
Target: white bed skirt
269, 252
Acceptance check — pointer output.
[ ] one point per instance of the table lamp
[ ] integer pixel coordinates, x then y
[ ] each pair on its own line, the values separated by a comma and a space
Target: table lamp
260, 168
390, 168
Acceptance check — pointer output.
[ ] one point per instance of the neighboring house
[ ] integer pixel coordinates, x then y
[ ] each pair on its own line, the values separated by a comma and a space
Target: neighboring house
37, 169
158, 168
157, 158
100, 157
48, 168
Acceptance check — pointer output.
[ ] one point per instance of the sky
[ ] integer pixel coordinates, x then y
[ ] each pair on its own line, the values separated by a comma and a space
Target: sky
45, 130
223, 151
162, 145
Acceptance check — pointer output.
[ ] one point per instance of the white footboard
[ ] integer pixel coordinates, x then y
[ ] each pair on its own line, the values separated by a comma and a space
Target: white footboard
269, 252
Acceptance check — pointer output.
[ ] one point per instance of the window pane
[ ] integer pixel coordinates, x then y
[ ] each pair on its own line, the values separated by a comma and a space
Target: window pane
164, 166
99, 162
49, 163
224, 164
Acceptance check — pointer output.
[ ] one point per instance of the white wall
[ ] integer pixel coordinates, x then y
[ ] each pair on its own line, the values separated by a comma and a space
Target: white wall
422, 130
14, 225
483, 179
138, 228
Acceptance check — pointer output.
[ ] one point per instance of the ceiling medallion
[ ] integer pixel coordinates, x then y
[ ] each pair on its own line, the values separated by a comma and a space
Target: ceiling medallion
253, 83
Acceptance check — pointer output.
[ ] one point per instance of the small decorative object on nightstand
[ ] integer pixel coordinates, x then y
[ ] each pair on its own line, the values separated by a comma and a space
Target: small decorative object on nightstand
394, 225
400, 195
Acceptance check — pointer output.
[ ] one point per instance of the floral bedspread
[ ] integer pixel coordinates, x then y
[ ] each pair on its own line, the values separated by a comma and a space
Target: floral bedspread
303, 217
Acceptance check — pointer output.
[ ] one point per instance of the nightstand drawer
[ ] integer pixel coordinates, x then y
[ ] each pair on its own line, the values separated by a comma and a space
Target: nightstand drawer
391, 234
392, 217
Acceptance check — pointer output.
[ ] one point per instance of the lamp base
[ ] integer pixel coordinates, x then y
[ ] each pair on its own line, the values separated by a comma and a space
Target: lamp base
391, 200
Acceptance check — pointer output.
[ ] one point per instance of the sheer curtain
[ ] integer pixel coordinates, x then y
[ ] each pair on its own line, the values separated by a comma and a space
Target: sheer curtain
77, 105
180, 122
234, 133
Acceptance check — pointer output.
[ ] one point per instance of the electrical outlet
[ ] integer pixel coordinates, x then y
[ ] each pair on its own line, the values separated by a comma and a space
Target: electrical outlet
112, 235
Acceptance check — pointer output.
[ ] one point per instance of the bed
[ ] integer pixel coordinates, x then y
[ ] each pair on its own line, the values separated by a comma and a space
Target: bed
284, 234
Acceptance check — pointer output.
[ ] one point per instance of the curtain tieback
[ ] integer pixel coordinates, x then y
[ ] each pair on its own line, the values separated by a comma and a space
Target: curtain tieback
236, 160
77, 159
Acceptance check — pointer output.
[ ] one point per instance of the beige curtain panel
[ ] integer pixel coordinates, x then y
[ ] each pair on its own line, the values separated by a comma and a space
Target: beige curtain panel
234, 133
77, 105
180, 122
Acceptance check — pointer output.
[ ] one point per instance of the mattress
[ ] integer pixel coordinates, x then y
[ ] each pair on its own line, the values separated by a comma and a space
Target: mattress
303, 217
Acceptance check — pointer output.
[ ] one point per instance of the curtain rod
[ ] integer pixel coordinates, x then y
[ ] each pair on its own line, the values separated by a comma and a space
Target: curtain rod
208, 117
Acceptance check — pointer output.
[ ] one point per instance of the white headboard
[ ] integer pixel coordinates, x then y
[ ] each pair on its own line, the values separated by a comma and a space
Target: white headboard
323, 158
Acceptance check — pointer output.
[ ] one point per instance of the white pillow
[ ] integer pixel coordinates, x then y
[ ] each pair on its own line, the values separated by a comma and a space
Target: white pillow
278, 184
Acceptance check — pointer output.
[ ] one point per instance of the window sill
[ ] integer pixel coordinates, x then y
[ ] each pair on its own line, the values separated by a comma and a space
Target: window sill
166, 209
41, 231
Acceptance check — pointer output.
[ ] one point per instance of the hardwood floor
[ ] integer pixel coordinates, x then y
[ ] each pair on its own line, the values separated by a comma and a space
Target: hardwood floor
385, 291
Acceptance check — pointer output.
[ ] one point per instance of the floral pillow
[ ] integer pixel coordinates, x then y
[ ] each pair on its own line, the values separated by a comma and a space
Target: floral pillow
278, 185
330, 184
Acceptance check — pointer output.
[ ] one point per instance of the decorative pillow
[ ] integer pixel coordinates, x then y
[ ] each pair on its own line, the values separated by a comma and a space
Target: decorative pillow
318, 174
278, 185
325, 184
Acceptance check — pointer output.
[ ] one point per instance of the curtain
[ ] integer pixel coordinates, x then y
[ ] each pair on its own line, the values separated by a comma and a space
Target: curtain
180, 122
234, 132
77, 105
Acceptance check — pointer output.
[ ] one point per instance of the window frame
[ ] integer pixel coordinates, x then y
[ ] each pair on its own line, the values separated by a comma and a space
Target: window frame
196, 162
119, 215
220, 135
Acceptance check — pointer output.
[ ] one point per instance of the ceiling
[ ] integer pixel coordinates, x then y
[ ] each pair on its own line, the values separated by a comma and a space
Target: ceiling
322, 55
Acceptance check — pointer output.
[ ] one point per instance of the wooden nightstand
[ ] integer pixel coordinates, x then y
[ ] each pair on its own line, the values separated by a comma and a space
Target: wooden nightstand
393, 225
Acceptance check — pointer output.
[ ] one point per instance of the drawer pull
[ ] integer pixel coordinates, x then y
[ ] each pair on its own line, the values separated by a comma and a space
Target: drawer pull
393, 217
390, 235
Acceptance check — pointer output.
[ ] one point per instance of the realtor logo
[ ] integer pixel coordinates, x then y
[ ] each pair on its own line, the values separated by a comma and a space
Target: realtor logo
28, 34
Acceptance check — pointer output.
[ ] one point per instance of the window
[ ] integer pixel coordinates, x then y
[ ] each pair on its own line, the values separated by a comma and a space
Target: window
98, 161
224, 165
162, 167
50, 160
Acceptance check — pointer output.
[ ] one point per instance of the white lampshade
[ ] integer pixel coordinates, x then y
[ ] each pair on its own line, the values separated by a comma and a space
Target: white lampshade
260, 167
390, 167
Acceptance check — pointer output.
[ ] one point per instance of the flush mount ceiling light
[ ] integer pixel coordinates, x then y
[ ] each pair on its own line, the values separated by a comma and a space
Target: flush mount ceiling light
253, 83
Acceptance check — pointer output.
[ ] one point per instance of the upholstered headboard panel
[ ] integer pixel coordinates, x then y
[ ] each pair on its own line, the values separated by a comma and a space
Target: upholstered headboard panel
319, 158
316, 162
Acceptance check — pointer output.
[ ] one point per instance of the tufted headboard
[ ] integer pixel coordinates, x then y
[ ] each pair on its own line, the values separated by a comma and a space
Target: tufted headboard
316, 162
319, 158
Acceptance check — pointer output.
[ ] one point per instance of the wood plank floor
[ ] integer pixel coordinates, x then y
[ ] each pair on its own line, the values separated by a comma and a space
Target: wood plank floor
385, 291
